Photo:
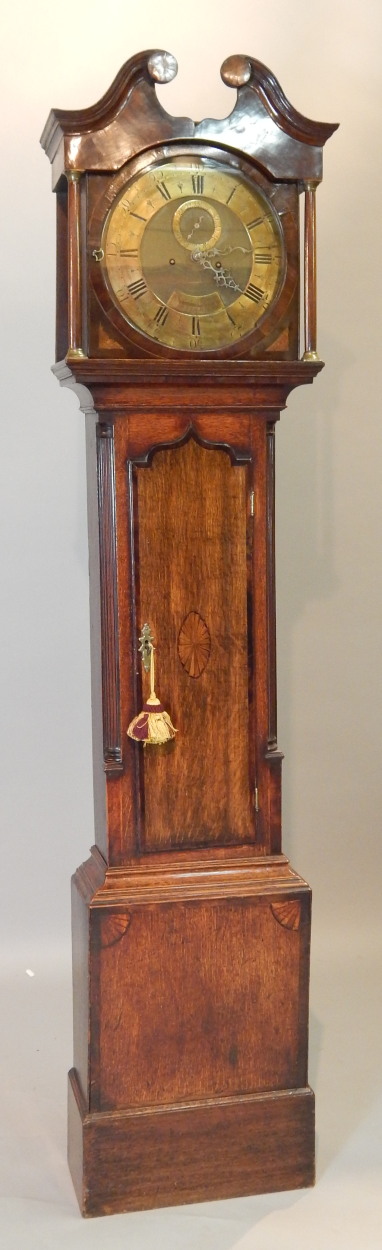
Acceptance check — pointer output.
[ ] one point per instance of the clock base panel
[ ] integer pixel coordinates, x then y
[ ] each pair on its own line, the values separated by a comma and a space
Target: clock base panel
190, 1033
158, 1157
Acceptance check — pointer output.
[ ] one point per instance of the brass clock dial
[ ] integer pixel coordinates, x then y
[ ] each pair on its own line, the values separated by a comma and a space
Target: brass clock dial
192, 254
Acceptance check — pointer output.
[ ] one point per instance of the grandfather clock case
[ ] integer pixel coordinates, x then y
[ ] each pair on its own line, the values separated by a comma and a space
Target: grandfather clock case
178, 328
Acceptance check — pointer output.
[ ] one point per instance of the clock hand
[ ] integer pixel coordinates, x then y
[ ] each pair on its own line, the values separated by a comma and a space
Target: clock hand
222, 277
196, 226
227, 251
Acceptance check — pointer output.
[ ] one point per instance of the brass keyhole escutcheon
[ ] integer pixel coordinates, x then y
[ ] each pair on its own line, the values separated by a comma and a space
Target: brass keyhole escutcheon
146, 642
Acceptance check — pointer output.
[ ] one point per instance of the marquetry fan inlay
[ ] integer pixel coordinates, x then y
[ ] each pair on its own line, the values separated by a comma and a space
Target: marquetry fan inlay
288, 913
194, 644
114, 928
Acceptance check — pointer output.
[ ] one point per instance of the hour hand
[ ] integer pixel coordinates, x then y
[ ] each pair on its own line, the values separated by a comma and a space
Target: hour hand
222, 277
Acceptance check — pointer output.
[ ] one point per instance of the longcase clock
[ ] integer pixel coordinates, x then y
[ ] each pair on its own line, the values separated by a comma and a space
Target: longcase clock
178, 327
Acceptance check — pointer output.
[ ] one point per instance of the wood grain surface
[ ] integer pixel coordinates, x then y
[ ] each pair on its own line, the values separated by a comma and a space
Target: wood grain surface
136, 1161
220, 1014
192, 557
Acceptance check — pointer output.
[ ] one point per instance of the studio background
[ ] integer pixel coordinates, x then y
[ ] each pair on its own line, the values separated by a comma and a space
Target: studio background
329, 597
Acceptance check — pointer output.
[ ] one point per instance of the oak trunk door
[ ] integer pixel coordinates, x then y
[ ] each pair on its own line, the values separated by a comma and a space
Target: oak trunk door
193, 539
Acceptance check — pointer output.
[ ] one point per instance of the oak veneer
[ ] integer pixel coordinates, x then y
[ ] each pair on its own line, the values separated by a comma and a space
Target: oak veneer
133, 1161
